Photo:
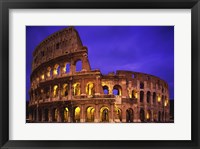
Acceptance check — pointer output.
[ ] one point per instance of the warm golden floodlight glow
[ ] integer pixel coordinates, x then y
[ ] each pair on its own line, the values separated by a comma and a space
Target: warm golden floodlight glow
64, 69
76, 89
136, 95
55, 72
55, 88
77, 113
48, 72
89, 88
159, 98
166, 102
42, 76
147, 116
65, 89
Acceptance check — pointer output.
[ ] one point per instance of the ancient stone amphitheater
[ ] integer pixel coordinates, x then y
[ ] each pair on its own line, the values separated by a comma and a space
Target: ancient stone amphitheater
61, 93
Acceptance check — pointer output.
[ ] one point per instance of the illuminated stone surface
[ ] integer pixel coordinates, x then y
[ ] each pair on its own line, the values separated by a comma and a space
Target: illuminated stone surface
61, 92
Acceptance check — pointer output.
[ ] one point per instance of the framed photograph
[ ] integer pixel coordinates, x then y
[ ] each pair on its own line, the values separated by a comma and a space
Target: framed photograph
99, 74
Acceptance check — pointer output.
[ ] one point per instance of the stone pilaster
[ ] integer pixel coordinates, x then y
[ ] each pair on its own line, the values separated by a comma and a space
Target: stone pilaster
123, 115
83, 87
43, 115
50, 115
97, 112
82, 116
111, 113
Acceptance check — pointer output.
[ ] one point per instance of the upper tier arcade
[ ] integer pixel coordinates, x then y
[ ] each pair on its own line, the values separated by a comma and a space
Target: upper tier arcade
65, 43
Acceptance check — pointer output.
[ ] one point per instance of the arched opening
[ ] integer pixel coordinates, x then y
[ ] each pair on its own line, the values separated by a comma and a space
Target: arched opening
55, 115
129, 115
90, 88
76, 89
77, 112
142, 115
47, 91
148, 97
105, 90
159, 116
78, 66
141, 96
65, 90
49, 72
67, 68
133, 94
56, 70
46, 115
166, 102
90, 114
104, 114
141, 85
117, 90
66, 114
55, 91
163, 100
163, 116
118, 114
148, 116
34, 115
154, 97
155, 115
39, 115
162, 89
42, 77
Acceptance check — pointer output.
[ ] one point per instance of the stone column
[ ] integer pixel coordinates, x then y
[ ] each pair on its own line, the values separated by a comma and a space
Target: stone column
50, 93
152, 119
72, 68
43, 115
110, 89
71, 114
37, 113
97, 92
157, 116
123, 114
31, 116
135, 112
83, 87
111, 113
145, 98
59, 115
59, 92
50, 115
151, 100
62, 69
97, 113
138, 99
82, 116
138, 114
85, 62
70, 90
69, 117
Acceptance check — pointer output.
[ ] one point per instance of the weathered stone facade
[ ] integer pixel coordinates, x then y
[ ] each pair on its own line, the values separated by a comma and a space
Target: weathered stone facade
61, 93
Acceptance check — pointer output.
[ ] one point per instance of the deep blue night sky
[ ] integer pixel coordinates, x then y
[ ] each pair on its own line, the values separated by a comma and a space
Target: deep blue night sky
147, 49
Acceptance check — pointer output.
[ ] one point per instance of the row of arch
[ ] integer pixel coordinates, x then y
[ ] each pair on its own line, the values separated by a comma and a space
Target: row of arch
56, 70
104, 114
159, 86
160, 99
90, 90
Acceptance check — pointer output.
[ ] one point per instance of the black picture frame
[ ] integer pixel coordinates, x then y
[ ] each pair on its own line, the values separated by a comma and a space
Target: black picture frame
5, 5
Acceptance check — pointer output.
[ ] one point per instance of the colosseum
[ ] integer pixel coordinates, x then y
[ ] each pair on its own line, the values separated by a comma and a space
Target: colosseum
60, 93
